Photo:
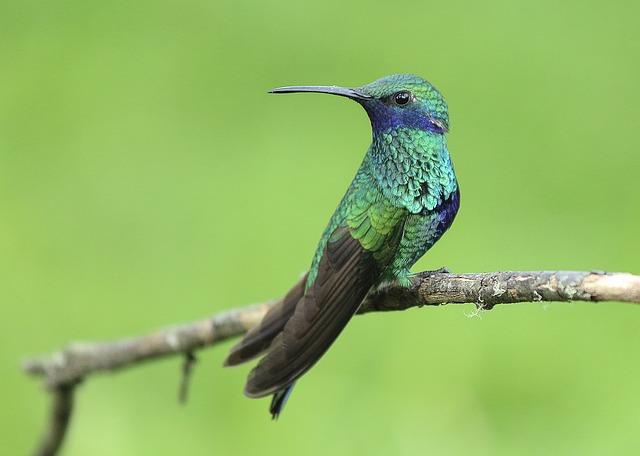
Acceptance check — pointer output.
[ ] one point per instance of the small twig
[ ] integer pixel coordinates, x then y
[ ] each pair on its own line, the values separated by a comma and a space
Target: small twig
59, 418
81, 359
63, 369
187, 369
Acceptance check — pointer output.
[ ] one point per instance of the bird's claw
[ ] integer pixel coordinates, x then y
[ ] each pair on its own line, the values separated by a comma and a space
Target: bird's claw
405, 280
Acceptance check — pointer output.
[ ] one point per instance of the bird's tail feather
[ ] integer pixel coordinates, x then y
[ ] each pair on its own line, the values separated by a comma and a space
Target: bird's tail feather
259, 338
279, 400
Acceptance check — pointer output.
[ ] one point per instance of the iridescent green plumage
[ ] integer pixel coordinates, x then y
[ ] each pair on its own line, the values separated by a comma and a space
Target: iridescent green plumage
403, 198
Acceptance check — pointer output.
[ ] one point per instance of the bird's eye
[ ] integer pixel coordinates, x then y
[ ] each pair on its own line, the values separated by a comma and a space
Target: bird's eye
402, 98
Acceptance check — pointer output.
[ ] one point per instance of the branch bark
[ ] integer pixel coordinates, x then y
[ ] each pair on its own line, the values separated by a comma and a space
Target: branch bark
64, 369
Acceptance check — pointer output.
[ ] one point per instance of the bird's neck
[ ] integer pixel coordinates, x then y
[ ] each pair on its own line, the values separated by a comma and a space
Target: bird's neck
412, 167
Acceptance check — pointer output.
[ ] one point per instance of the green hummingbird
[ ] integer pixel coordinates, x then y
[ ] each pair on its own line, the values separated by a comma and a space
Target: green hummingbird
402, 199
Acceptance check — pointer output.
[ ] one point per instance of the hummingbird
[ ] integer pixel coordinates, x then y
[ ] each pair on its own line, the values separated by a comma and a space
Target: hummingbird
402, 199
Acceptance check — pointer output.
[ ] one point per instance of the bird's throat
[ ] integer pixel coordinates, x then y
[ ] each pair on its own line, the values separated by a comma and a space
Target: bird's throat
412, 167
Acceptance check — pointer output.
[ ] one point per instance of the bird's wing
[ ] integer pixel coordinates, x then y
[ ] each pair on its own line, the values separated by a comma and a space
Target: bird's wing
258, 338
352, 260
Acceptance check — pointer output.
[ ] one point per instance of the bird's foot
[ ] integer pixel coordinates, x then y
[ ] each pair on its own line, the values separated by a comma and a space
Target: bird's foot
404, 280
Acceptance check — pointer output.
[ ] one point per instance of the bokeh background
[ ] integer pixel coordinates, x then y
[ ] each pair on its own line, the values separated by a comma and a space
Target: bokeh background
147, 178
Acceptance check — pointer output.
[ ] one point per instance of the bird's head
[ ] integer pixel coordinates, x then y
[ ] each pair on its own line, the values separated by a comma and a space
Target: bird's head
396, 101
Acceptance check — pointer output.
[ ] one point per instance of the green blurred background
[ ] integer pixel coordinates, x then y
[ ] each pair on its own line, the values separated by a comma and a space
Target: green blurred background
146, 178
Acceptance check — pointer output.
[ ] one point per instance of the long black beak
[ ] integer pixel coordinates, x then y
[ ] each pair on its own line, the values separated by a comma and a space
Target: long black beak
354, 94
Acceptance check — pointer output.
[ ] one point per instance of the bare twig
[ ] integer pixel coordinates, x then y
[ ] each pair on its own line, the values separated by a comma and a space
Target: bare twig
83, 358
62, 370
60, 415
187, 369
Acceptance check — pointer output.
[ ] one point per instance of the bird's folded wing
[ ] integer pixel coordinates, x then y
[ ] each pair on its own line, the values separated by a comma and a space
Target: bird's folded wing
258, 338
346, 272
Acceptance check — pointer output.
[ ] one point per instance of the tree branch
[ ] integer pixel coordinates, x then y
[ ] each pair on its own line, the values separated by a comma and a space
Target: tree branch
62, 370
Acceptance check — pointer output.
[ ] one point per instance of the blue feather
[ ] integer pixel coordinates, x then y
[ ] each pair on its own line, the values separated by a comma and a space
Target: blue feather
279, 400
